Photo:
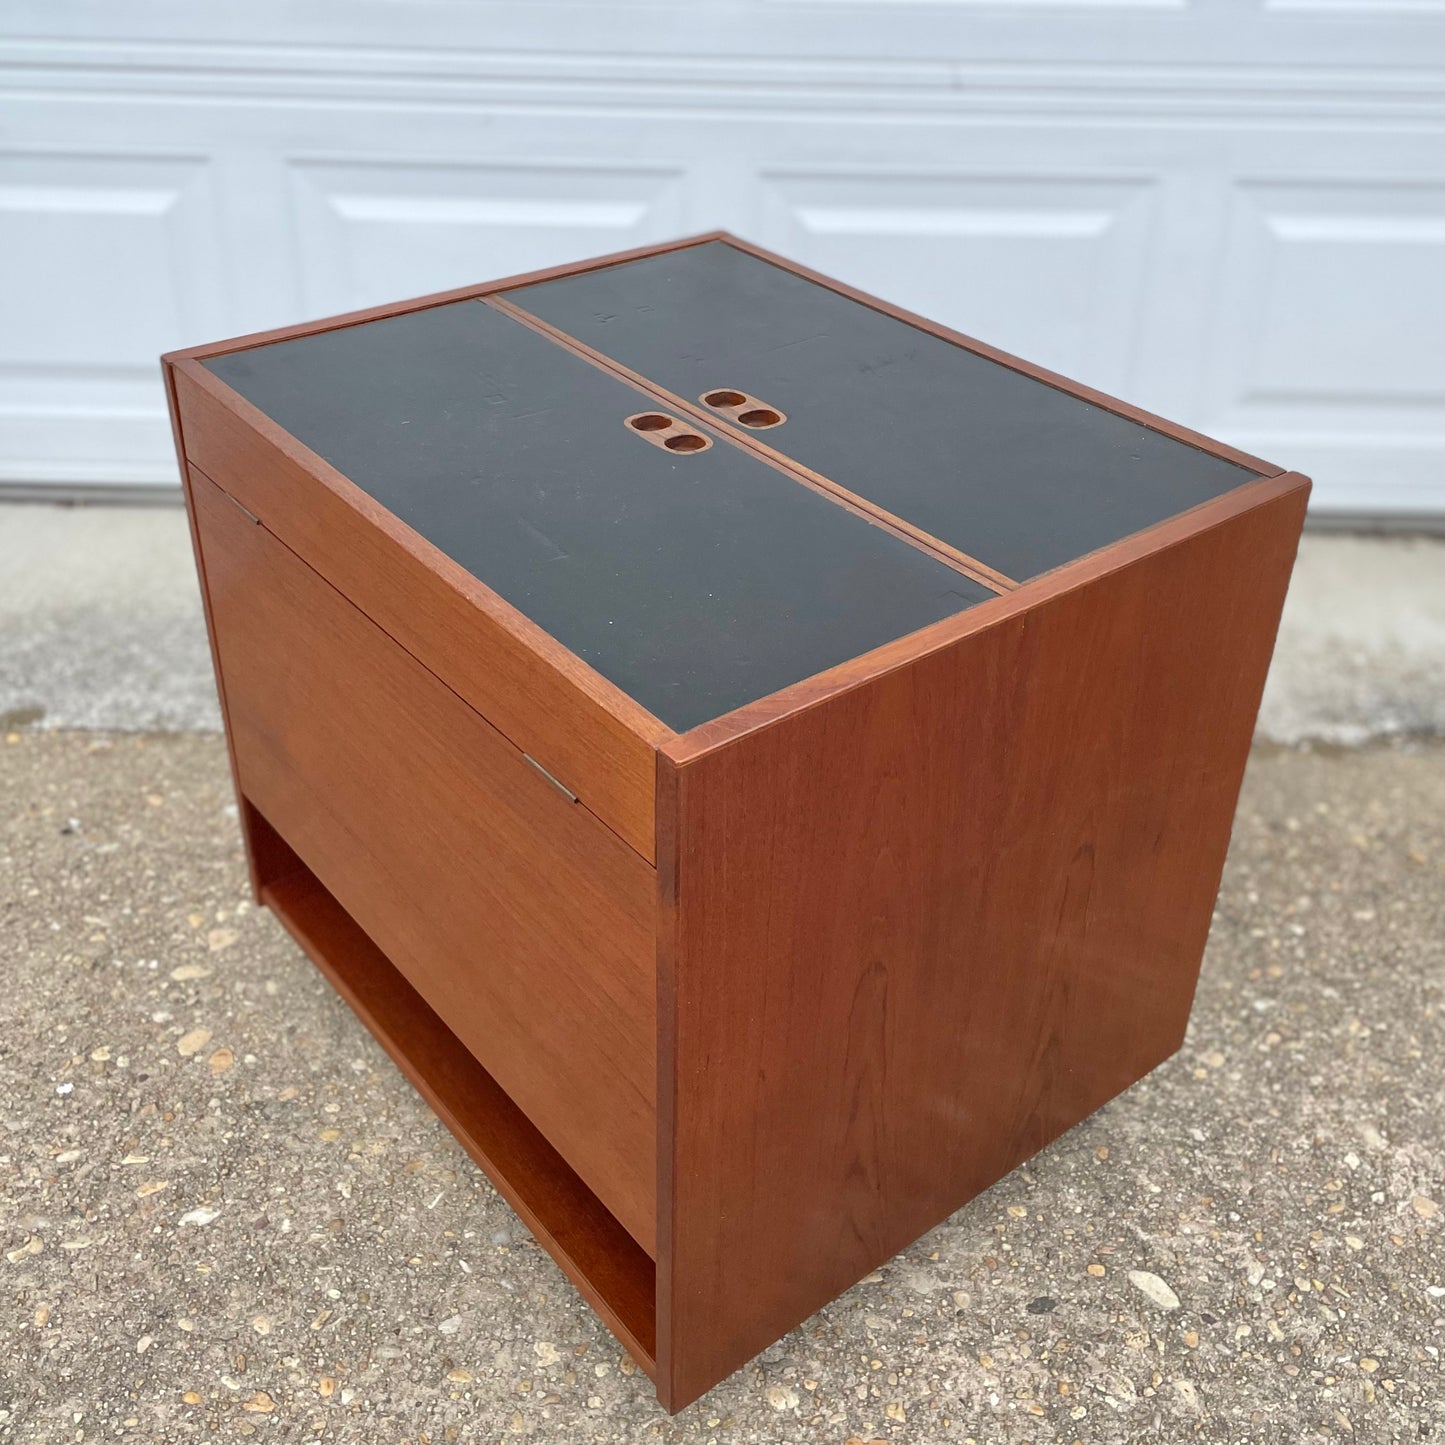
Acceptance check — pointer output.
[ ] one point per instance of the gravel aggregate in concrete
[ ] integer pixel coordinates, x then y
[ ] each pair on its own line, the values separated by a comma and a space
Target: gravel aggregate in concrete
100, 620
1361, 647
224, 1215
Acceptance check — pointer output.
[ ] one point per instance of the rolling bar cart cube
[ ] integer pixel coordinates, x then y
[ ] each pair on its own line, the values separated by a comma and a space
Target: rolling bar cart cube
760, 762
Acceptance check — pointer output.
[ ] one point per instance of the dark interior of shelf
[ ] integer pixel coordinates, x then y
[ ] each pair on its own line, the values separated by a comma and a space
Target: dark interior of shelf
609, 1268
695, 582
1010, 470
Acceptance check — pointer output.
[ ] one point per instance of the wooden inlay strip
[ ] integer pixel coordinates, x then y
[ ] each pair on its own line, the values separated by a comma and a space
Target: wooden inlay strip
980, 572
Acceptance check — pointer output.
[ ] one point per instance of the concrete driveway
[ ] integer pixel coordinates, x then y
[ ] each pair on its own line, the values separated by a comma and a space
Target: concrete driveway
223, 1214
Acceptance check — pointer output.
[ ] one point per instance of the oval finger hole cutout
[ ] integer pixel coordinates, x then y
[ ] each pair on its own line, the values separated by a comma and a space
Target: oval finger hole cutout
666, 431
746, 410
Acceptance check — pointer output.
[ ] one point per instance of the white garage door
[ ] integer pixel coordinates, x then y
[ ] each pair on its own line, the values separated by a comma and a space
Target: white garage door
1229, 211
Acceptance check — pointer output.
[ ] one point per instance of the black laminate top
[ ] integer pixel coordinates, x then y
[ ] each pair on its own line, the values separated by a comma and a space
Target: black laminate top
1007, 469
696, 583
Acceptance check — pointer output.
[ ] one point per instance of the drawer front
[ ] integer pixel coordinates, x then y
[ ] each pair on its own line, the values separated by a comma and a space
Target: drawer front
521, 919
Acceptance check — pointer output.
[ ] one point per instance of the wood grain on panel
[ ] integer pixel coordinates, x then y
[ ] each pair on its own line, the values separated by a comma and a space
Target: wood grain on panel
524, 922
612, 1271
580, 727
918, 928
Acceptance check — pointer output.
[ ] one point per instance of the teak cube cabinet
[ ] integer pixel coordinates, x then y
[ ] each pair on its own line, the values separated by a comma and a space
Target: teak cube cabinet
760, 762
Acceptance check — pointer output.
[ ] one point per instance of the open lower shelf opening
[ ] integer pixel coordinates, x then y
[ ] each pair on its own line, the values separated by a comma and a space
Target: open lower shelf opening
610, 1269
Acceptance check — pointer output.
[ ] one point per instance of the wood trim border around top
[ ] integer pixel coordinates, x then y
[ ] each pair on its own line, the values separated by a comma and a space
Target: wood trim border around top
764, 712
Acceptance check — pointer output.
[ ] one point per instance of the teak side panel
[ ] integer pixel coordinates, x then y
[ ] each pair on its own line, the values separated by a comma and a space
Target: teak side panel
584, 731
887, 979
521, 919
